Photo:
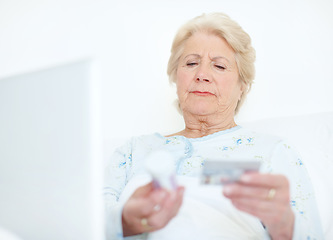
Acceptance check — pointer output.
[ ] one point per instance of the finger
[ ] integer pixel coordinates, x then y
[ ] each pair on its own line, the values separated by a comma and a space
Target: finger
147, 205
253, 205
143, 190
234, 191
263, 210
258, 209
146, 198
264, 180
154, 202
139, 207
142, 203
267, 212
171, 204
168, 210
239, 192
245, 191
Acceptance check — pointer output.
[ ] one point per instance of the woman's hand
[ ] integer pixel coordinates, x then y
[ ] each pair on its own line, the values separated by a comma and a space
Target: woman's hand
150, 209
265, 196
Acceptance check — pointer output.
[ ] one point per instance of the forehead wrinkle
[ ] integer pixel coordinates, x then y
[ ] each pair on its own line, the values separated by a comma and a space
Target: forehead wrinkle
192, 55
220, 57
211, 58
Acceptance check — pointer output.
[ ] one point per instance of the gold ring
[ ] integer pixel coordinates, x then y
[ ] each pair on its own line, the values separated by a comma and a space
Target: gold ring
144, 223
271, 194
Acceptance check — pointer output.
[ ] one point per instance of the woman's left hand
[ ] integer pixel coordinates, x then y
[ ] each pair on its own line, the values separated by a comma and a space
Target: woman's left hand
265, 196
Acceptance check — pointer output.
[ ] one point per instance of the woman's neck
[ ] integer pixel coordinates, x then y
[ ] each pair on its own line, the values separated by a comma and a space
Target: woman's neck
200, 126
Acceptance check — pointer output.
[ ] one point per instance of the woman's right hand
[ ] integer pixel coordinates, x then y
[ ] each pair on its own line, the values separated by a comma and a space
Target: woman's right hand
150, 209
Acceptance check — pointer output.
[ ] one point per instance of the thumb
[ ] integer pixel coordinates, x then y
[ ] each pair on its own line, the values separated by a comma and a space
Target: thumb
143, 190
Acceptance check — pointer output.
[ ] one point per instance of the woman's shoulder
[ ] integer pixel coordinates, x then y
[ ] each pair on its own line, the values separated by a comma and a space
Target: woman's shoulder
259, 134
257, 137
246, 133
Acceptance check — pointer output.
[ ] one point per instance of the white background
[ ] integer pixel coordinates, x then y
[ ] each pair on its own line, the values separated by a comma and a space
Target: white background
131, 41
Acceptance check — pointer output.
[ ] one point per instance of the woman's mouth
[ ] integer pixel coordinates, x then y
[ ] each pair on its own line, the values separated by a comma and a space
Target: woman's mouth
199, 93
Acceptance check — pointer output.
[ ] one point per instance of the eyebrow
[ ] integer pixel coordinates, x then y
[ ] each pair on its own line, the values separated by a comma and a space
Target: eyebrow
214, 58
218, 57
192, 55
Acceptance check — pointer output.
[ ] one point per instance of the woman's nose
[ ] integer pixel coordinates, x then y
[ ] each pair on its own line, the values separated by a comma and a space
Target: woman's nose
199, 79
203, 74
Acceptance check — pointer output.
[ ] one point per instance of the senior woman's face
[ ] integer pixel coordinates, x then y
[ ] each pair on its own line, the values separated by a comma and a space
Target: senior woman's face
207, 76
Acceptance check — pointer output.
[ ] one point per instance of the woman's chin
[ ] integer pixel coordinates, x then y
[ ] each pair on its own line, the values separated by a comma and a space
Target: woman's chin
201, 111
200, 108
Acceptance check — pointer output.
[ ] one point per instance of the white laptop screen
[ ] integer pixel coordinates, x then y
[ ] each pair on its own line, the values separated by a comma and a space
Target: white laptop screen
50, 157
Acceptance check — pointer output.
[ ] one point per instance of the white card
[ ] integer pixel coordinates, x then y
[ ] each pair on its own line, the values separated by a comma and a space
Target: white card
223, 172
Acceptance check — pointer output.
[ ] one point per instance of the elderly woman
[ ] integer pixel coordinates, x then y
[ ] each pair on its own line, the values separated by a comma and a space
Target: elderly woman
212, 65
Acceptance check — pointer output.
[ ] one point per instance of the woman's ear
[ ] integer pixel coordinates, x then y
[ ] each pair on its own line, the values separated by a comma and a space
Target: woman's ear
242, 90
177, 105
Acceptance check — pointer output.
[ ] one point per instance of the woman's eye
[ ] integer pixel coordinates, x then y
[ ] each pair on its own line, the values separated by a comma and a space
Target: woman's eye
191, 64
220, 67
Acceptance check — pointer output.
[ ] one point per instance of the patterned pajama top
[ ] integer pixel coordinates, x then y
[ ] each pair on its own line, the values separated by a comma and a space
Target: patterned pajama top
190, 154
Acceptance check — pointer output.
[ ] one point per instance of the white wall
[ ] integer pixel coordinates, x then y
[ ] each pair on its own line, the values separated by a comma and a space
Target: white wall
131, 40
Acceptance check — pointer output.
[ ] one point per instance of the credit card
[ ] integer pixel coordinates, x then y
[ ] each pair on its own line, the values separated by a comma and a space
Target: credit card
224, 172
